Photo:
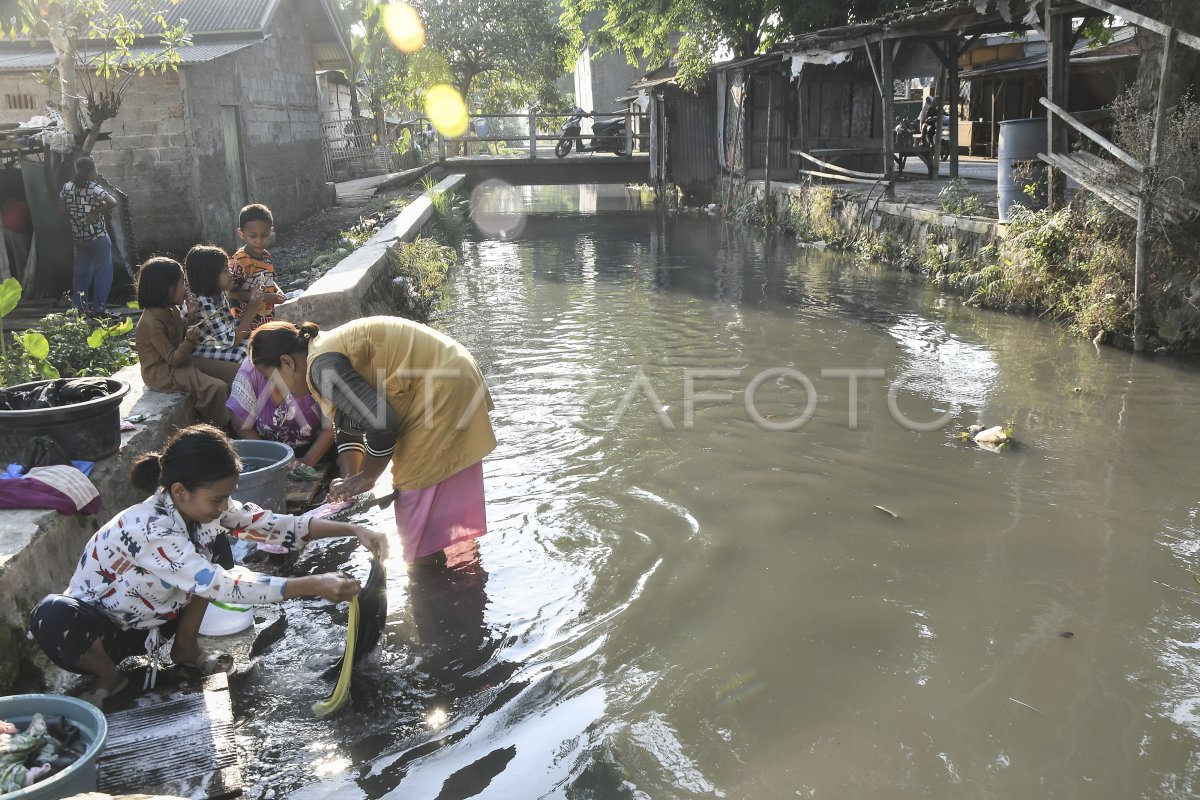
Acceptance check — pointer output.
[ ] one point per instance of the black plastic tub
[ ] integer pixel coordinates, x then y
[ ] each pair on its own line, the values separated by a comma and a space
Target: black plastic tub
87, 431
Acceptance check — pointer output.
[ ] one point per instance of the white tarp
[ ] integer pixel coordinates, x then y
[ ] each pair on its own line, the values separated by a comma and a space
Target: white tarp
824, 58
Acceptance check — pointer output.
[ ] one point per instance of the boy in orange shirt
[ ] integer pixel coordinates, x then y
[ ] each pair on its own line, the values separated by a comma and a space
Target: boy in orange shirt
251, 265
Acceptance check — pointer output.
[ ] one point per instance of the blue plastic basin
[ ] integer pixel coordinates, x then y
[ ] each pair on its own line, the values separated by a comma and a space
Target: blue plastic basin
264, 473
79, 777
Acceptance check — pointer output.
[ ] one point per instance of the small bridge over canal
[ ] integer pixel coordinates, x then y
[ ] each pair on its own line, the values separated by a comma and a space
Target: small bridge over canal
542, 171
519, 149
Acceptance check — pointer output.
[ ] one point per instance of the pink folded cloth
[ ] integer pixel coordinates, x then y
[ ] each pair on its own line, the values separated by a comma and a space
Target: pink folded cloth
62, 488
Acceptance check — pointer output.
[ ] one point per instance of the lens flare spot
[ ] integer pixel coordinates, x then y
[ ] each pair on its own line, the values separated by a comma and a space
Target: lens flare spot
403, 27
446, 110
497, 209
437, 718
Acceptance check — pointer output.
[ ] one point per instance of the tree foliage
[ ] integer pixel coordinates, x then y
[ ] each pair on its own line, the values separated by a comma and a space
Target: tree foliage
499, 54
698, 32
515, 50
379, 67
97, 52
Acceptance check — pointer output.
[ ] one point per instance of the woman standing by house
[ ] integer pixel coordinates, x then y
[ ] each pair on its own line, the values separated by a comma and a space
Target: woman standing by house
404, 394
85, 202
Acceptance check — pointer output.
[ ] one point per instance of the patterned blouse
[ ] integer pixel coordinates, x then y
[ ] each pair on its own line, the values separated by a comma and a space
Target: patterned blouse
81, 201
295, 420
145, 565
218, 330
251, 273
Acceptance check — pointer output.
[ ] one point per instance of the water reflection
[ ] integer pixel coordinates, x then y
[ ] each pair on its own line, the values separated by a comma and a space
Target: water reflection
725, 611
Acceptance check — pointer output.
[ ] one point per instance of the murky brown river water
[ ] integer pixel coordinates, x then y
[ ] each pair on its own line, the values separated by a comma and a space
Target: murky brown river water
682, 603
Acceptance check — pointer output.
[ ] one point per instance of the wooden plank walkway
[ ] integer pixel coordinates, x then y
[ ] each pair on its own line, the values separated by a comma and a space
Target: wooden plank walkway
181, 744
302, 495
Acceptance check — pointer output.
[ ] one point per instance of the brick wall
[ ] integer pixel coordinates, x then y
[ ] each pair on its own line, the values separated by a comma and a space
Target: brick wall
273, 85
149, 157
17, 90
168, 149
284, 165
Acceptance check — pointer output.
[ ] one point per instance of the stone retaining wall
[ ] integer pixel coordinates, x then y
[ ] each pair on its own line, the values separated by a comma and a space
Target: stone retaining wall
861, 216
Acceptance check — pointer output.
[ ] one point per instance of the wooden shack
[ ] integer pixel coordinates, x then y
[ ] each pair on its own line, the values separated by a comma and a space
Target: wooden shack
680, 127
1010, 88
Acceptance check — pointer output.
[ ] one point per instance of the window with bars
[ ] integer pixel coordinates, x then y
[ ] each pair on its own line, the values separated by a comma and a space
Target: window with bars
19, 102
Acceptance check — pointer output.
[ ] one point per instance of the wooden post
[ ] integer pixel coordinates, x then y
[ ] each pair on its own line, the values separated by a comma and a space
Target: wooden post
441, 147
889, 114
532, 135
767, 159
1058, 33
801, 120
628, 132
952, 51
1146, 198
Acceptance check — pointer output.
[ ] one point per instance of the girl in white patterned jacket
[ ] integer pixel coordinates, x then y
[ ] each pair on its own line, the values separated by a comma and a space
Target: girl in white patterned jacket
149, 573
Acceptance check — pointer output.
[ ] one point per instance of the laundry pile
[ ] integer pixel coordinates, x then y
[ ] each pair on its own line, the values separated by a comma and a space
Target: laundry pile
61, 392
44, 749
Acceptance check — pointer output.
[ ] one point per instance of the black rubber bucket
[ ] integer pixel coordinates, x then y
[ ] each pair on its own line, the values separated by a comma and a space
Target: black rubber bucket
87, 431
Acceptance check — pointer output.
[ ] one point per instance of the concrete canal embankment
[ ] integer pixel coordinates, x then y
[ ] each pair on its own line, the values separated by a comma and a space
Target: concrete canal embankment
870, 221
361, 283
38, 549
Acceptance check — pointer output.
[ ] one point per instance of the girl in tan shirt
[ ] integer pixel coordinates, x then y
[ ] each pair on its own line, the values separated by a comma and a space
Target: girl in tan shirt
164, 342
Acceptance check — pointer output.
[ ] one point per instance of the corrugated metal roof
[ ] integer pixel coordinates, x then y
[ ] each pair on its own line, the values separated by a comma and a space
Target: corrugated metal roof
25, 58
928, 18
330, 55
1038, 64
210, 16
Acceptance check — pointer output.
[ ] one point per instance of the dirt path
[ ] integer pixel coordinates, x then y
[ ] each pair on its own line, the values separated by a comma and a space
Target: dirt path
306, 250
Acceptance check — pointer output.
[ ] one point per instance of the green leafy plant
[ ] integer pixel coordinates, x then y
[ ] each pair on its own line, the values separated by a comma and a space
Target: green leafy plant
451, 213
956, 199
17, 364
419, 271
813, 217
37, 350
10, 295
13, 366
80, 350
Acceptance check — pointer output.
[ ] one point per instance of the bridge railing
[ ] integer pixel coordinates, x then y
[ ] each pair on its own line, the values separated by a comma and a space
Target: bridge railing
521, 133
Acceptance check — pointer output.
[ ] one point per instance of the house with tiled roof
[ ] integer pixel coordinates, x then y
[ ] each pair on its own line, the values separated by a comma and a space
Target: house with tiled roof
238, 122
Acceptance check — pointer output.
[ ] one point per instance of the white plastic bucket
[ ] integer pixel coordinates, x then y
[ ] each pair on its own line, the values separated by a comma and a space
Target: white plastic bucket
224, 619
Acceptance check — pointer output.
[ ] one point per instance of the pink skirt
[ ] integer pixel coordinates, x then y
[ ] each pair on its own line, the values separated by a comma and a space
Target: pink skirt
439, 516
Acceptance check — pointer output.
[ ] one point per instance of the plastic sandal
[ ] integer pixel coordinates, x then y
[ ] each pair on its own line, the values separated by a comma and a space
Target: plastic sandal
303, 472
97, 696
210, 663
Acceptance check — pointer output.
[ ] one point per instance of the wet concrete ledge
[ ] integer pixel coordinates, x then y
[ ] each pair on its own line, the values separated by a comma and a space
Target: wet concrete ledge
862, 214
38, 548
351, 289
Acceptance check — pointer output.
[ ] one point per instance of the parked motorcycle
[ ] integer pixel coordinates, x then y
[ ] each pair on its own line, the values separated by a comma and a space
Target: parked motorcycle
608, 136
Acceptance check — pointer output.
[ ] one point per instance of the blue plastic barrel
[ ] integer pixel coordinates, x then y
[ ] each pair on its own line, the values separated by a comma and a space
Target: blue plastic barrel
78, 778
